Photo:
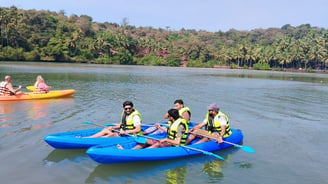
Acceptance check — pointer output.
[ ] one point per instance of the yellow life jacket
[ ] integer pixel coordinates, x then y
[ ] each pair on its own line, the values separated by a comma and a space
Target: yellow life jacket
183, 110
173, 130
216, 126
127, 121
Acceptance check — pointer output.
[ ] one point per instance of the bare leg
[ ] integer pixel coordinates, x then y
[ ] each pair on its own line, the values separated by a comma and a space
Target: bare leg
103, 133
139, 146
202, 140
156, 145
190, 138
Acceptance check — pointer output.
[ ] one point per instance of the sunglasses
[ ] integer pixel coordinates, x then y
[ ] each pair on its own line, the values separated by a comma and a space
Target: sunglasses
128, 108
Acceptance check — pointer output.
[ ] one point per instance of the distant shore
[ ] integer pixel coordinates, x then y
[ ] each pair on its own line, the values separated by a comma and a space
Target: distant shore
293, 70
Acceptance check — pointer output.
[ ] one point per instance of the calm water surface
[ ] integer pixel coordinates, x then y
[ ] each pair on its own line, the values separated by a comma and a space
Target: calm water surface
283, 117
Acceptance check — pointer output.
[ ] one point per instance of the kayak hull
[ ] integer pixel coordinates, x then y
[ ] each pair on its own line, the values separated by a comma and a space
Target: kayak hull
77, 139
35, 96
110, 154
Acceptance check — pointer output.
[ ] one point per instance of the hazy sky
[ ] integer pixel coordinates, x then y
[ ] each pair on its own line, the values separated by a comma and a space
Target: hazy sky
210, 15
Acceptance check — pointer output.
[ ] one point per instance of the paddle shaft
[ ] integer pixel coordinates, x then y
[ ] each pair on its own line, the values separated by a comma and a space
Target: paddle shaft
117, 131
244, 148
191, 148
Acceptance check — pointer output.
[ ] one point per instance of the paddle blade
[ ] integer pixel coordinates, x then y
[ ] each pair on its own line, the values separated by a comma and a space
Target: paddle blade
247, 149
212, 154
140, 140
31, 88
86, 122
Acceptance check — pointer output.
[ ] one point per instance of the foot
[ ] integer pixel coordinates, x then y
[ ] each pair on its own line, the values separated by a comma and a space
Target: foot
119, 146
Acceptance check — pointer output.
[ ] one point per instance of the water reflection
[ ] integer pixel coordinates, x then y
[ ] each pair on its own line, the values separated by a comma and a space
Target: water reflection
176, 175
34, 114
214, 169
57, 156
176, 171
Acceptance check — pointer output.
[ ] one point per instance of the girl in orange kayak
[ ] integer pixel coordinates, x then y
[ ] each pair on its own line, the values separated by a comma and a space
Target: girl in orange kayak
40, 85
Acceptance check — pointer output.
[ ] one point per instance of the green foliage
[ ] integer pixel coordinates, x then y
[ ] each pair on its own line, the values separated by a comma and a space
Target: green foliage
12, 54
261, 66
172, 60
198, 63
32, 56
151, 60
310, 70
234, 66
49, 36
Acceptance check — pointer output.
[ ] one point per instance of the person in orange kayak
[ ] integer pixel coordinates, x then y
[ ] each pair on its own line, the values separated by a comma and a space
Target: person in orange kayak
216, 125
130, 123
6, 87
40, 85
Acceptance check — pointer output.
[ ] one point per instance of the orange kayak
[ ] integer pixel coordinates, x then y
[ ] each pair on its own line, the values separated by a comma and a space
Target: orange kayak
35, 96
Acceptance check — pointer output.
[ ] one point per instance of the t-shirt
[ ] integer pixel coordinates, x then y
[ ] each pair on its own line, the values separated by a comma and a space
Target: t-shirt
136, 121
181, 130
221, 119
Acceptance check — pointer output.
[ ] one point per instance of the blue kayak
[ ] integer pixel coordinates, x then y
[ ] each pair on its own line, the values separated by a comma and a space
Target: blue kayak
110, 154
77, 139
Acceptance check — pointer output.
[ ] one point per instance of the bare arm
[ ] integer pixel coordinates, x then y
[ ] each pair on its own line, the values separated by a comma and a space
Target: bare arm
136, 130
186, 116
10, 88
200, 125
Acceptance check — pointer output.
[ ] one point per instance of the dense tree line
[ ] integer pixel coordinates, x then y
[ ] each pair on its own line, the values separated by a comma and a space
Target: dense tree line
30, 35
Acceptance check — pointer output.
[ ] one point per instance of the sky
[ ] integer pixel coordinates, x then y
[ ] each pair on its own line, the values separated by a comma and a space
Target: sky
209, 15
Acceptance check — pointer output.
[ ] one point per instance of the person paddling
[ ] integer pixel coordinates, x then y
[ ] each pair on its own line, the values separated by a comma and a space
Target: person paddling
216, 124
184, 112
6, 87
176, 133
130, 123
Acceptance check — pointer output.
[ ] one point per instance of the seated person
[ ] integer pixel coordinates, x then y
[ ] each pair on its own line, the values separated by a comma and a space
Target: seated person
177, 133
6, 87
40, 85
130, 123
216, 124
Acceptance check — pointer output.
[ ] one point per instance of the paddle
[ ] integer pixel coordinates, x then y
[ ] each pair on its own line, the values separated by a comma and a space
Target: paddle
30, 88
137, 139
191, 148
244, 148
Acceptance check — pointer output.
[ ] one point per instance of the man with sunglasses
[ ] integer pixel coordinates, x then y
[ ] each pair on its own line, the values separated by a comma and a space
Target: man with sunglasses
216, 125
130, 123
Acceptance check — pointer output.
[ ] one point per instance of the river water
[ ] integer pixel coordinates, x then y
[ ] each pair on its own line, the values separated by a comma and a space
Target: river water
283, 117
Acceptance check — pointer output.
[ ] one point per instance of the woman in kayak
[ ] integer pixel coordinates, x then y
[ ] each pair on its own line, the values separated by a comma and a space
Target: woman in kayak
6, 87
40, 85
130, 123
